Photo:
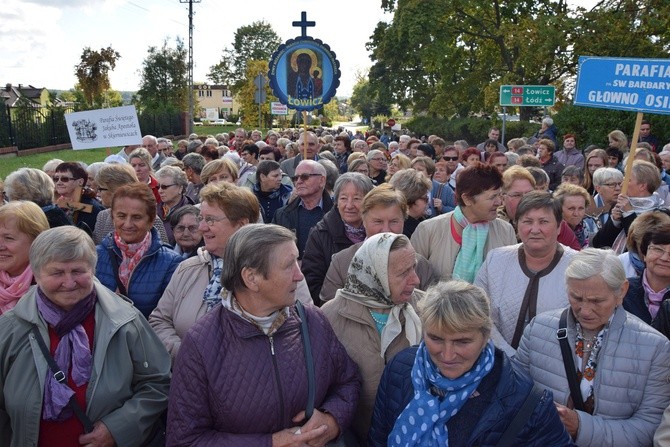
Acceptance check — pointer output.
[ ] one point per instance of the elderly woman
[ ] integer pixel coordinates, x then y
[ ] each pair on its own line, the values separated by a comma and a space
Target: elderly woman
617, 364
36, 186
456, 243
132, 259
340, 228
20, 223
140, 160
69, 178
456, 388
221, 170
113, 365
373, 314
171, 188
187, 235
526, 279
641, 197
471, 156
574, 201
360, 165
109, 179
398, 161
260, 330
377, 164
607, 185
383, 210
416, 188
632, 261
271, 193
651, 289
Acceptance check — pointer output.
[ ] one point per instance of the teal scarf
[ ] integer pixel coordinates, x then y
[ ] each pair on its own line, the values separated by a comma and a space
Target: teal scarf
471, 255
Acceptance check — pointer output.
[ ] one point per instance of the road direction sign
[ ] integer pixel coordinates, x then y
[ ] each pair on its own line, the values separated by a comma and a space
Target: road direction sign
639, 85
527, 95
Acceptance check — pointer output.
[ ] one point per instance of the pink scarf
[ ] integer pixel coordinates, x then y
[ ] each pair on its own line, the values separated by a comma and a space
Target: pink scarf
132, 254
13, 288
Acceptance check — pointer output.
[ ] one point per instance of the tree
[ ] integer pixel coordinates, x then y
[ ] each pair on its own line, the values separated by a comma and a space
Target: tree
93, 73
252, 42
249, 108
164, 81
365, 100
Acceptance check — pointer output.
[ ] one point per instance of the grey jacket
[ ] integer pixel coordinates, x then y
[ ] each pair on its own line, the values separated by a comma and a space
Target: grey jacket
632, 382
130, 375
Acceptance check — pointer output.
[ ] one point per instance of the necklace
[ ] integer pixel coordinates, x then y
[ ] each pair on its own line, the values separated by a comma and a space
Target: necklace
379, 322
589, 342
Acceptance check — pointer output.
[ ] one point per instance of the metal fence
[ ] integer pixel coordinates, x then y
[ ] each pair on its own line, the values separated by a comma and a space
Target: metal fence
31, 127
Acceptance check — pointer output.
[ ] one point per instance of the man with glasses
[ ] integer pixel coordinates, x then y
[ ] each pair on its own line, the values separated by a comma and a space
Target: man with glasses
309, 143
303, 213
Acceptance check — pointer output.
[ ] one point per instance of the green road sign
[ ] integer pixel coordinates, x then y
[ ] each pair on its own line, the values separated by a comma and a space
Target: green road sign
527, 95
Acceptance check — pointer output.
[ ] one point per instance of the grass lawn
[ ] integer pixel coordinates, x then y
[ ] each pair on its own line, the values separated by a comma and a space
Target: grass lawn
10, 164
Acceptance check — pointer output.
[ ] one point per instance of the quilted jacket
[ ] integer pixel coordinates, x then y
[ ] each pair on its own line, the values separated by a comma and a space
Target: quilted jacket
543, 429
632, 382
325, 239
150, 277
234, 386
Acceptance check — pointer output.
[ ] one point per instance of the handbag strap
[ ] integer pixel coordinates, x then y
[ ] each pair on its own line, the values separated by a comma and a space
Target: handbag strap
115, 266
59, 375
522, 416
568, 362
309, 360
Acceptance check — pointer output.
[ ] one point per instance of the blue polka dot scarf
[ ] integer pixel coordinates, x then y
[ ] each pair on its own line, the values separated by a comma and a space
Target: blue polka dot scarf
424, 421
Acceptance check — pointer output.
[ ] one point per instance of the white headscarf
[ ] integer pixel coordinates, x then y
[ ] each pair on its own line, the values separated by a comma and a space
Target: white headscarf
367, 283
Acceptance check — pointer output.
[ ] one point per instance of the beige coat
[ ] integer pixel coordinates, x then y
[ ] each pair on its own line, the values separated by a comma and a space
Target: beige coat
432, 239
357, 331
339, 266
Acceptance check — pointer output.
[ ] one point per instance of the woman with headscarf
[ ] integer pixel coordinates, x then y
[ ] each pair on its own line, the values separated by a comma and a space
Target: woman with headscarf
373, 315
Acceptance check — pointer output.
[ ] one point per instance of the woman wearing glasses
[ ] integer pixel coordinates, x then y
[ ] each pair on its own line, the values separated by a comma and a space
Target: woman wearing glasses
648, 293
187, 235
171, 188
195, 287
132, 260
68, 177
377, 165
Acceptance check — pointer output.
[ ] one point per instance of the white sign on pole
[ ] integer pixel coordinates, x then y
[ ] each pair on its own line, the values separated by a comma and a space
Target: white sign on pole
212, 114
117, 126
277, 108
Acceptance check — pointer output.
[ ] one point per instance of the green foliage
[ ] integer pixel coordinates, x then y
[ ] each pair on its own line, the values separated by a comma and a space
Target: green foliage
93, 74
367, 101
251, 43
472, 130
248, 106
164, 81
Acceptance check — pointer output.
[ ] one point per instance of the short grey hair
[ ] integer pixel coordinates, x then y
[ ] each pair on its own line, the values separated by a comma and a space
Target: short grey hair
252, 246
51, 164
548, 121
362, 183
177, 175
194, 161
591, 262
63, 244
317, 168
605, 175
30, 184
456, 306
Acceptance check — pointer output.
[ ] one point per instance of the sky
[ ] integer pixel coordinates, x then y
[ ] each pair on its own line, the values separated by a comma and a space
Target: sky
42, 40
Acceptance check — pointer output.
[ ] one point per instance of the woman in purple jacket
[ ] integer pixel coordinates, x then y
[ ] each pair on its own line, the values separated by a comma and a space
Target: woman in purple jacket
240, 377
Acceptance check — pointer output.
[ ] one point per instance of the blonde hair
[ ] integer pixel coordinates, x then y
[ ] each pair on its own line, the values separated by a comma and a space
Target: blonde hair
29, 218
456, 306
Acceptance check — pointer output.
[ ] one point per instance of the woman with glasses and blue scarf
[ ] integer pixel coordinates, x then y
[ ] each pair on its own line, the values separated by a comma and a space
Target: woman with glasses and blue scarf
456, 388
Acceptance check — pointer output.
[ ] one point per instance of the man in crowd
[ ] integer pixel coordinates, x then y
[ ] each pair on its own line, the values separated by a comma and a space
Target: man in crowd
193, 164
150, 143
312, 202
647, 137
494, 134
308, 143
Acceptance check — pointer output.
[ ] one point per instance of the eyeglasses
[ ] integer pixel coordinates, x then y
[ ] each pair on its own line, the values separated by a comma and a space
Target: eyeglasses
445, 158
303, 177
182, 228
613, 184
63, 179
209, 220
656, 251
378, 159
515, 195
165, 186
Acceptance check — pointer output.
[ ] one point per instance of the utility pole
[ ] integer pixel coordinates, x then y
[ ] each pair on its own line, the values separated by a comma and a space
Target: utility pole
190, 62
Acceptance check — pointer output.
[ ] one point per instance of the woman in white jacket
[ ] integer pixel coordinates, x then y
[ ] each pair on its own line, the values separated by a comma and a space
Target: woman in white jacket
621, 363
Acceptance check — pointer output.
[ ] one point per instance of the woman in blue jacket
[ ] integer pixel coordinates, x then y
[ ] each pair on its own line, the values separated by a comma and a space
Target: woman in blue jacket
456, 388
131, 259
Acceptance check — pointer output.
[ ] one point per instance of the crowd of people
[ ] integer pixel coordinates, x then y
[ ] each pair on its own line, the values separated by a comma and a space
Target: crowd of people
324, 287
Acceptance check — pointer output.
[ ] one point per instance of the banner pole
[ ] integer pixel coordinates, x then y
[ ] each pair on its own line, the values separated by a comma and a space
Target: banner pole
631, 153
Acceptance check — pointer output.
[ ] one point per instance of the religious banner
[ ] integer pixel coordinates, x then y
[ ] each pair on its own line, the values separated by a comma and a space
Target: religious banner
304, 72
116, 126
